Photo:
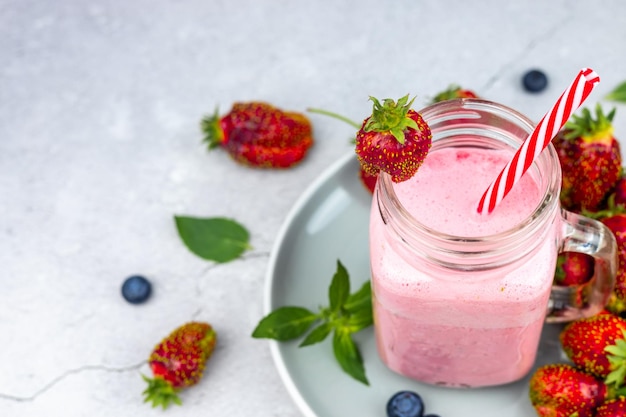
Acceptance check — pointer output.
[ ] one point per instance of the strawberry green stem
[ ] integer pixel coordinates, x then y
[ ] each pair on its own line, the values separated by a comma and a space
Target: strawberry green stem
588, 127
160, 393
210, 126
391, 117
336, 116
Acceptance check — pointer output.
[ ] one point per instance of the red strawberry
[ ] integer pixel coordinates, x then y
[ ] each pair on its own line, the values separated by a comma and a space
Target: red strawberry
617, 224
616, 305
560, 390
590, 159
573, 268
618, 196
454, 91
612, 408
260, 135
369, 181
178, 362
596, 345
394, 139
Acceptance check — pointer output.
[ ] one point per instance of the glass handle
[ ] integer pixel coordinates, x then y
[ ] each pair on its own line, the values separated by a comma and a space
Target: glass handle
585, 235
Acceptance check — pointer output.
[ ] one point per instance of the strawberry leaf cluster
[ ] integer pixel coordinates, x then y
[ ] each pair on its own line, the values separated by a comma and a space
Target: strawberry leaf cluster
588, 126
391, 117
346, 314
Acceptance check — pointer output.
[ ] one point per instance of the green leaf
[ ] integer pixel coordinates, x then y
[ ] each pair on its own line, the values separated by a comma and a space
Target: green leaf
160, 393
361, 319
360, 298
348, 355
217, 239
618, 94
339, 289
349, 313
318, 334
285, 323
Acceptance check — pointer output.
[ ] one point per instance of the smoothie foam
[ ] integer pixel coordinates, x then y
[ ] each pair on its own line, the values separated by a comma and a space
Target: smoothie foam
458, 329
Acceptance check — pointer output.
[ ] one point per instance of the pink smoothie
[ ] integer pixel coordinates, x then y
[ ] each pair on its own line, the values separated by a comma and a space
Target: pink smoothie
453, 328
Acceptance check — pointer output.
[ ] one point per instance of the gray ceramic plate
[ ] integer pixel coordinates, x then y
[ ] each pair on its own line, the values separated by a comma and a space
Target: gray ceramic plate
329, 223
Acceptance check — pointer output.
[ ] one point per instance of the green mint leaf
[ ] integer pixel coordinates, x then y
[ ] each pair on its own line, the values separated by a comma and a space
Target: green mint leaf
217, 239
360, 319
618, 94
318, 334
339, 289
348, 355
359, 299
347, 314
285, 323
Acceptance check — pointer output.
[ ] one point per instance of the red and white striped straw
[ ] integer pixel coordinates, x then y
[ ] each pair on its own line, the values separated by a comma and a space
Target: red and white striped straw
544, 132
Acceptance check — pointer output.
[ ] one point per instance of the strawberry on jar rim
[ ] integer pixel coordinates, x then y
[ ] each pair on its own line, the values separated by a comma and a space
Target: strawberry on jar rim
178, 362
260, 135
394, 139
590, 159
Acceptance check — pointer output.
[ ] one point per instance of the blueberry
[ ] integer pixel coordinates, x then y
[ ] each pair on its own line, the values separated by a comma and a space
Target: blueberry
535, 81
136, 289
405, 404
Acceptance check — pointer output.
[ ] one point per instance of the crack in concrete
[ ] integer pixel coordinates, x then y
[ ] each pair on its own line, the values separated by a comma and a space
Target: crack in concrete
532, 44
199, 292
243, 257
58, 379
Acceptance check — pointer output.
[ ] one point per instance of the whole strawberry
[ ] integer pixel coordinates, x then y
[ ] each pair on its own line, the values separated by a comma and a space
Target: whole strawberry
368, 181
453, 91
573, 268
617, 224
590, 160
596, 344
616, 305
178, 361
394, 139
612, 408
560, 390
618, 195
260, 135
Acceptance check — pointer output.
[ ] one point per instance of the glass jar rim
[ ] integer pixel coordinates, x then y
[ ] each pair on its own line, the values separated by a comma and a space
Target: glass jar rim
471, 112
